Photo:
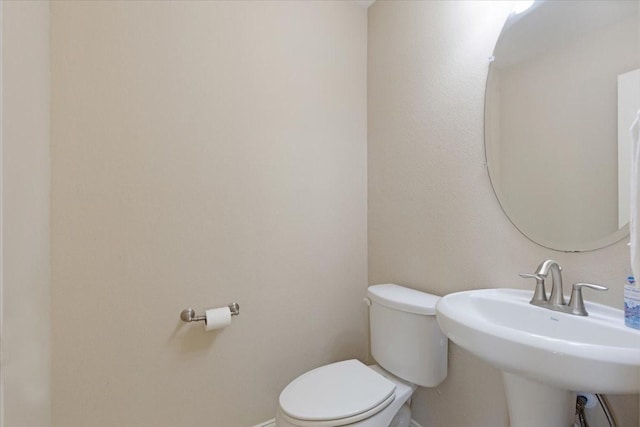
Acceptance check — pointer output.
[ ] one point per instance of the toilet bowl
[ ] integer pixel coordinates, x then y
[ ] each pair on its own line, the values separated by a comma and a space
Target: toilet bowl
343, 393
410, 349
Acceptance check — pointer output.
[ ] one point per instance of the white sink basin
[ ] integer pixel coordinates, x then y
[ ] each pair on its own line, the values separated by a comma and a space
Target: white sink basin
533, 345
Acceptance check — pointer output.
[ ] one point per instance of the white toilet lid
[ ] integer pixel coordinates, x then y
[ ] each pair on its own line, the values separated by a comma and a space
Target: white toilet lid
336, 391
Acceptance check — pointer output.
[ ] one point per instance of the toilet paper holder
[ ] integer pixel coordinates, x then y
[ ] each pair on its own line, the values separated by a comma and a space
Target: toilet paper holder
189, 314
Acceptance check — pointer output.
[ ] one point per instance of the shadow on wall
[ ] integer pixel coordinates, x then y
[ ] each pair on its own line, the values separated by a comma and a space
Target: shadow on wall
190, 339
349, 343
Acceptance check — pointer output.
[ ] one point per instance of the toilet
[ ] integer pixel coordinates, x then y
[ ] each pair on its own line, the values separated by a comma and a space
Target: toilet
410, 350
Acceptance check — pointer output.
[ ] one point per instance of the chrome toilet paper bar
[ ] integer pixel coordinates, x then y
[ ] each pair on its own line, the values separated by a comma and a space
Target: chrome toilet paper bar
189, 314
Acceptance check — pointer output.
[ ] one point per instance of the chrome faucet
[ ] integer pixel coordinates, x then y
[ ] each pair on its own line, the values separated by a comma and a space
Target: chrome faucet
556, 300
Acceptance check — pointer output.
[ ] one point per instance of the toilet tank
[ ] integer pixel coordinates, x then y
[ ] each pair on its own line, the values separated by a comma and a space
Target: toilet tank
405, 337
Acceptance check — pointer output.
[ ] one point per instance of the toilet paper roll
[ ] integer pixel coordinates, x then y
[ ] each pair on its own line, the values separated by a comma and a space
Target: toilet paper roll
217, 318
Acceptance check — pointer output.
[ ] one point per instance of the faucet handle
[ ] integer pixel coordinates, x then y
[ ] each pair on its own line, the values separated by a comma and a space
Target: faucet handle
540, 294
576, 303
579, 286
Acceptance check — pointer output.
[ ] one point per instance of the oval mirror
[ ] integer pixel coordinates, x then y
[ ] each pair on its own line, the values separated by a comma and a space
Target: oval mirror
562, 91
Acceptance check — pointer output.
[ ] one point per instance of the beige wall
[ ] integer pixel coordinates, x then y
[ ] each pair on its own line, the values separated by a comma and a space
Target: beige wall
26, 357
203, 153
434, 222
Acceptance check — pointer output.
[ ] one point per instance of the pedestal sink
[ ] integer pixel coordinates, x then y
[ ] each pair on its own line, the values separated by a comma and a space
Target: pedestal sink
545, 356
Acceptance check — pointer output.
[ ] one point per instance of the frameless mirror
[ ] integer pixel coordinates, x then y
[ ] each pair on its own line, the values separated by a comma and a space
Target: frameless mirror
562, 91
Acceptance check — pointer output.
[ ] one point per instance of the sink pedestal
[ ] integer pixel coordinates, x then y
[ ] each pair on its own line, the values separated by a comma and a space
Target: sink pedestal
533, 404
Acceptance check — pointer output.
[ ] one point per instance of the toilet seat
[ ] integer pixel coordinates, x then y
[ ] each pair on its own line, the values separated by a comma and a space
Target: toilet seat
335, 395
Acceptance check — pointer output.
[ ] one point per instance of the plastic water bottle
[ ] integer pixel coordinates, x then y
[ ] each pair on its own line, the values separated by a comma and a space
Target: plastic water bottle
631, 303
